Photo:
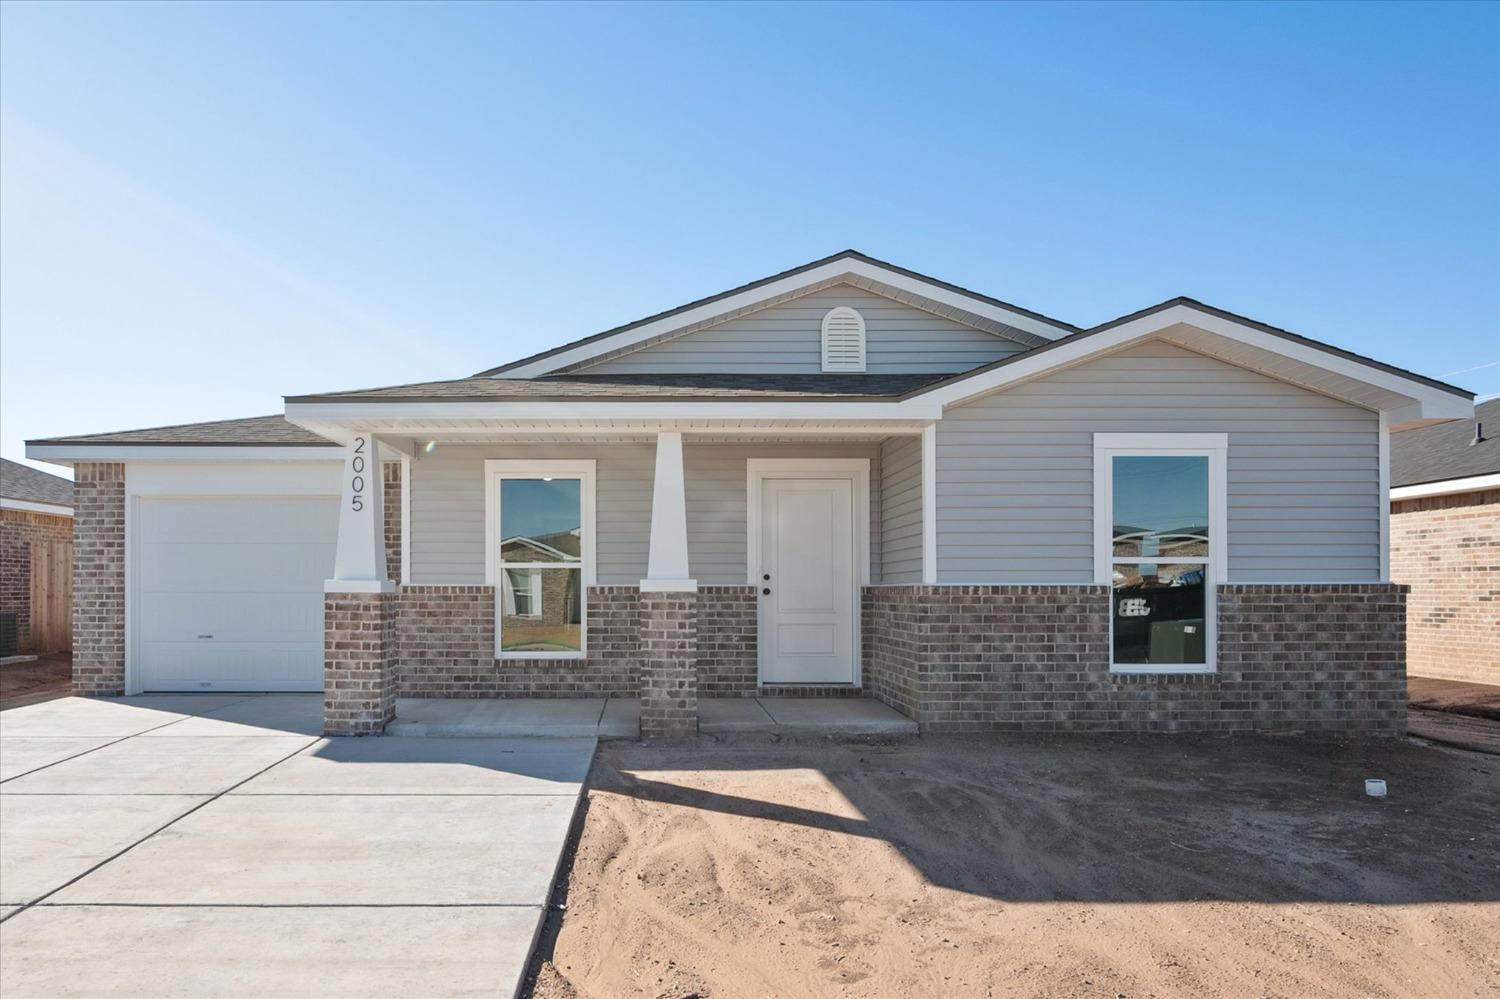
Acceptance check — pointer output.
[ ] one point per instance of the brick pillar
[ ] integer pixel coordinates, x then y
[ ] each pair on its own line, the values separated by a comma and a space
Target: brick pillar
391, 489
359, 662
669, 664
99, 579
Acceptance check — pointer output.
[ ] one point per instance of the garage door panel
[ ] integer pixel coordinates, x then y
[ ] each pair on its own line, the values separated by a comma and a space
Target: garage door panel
232, 567
228, 591
237, 666
253, 519
232, 617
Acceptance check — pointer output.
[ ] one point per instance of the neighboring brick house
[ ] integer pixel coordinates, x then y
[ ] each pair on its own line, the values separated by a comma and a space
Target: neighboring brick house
1445, 545
36, 527
846, 479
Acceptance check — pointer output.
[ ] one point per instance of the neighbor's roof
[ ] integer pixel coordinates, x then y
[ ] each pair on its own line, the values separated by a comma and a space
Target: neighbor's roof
22, 482
760, 387
1061, 326
1446, 451
249, 432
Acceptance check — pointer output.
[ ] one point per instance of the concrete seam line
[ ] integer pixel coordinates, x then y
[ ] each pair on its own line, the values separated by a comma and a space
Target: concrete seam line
115, 856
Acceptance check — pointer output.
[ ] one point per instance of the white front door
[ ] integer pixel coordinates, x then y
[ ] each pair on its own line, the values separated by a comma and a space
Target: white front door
807, 553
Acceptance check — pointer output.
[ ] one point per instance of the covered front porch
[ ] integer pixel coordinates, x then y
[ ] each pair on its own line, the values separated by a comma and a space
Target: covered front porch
678, 578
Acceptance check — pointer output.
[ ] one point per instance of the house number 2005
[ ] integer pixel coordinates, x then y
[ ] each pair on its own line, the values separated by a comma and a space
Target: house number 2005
357, 483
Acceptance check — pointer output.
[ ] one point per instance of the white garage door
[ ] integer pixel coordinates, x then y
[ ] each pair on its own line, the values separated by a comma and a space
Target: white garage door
229, 592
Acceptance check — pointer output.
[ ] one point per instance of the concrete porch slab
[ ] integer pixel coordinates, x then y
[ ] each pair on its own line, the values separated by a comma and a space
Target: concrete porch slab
822, 715
67, 951
565, 717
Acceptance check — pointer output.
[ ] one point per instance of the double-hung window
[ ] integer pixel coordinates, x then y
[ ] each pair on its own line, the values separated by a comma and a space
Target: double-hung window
539, 554
1159, 513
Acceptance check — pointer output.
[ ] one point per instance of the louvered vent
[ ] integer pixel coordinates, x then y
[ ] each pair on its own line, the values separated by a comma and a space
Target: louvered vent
843, 340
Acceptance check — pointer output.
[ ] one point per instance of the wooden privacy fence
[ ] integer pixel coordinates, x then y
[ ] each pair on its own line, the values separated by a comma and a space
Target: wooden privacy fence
51, 596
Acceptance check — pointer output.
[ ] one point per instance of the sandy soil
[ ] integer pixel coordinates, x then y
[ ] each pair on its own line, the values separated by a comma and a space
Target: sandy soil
1065, 866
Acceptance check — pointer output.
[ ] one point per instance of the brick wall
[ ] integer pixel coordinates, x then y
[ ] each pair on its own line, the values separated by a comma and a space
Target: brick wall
1447, 549
18, 530
727, 638
99, 578
391, 500
986, 658
359, 663
669, 674
445, 647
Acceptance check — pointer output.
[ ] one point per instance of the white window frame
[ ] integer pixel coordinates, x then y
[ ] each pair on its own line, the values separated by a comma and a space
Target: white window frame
496, 470
1214, 447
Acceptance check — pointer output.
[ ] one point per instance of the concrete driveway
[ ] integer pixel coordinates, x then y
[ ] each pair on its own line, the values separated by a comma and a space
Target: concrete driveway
216, 845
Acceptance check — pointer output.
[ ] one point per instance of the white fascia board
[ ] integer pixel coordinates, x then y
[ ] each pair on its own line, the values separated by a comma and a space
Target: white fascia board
1448, 487
832, 270
1428, 402
324, 414
68, 454
28, 506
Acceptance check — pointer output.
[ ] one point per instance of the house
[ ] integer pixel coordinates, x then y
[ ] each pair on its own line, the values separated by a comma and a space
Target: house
1445, 545
844, 479
36, 560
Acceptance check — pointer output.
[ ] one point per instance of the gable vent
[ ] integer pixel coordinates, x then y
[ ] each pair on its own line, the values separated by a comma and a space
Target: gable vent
843, 340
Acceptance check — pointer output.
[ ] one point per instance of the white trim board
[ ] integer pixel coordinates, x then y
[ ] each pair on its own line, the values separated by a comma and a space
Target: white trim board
832, 271
1447, 487
30, 506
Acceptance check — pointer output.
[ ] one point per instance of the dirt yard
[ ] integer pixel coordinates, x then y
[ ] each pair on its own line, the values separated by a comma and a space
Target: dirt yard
1038, 866
41, 679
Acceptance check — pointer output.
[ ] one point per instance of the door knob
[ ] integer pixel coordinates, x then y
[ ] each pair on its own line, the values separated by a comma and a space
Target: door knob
766, 577
766, 591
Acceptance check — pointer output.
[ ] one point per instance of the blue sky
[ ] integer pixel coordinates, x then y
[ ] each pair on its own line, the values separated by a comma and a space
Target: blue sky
203, 208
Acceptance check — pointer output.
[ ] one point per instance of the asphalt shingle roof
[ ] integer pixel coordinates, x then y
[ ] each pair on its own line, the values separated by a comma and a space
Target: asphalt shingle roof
22, 482
646, 386
254, 430
1436, 454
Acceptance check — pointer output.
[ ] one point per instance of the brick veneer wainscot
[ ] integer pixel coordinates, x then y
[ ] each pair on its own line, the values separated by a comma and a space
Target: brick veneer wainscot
727, 638
445, 642
1313, 658
1447, 549
99, 578
669, 674
359, 662
19, 530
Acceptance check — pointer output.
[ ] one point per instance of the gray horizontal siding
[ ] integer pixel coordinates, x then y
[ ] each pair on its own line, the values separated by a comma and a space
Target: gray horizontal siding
788, 338
1015, 470
717, 507
447, 506
901, 510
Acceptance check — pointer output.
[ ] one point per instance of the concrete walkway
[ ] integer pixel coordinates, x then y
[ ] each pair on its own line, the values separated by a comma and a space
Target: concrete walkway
620, 717
804, 715
216, 845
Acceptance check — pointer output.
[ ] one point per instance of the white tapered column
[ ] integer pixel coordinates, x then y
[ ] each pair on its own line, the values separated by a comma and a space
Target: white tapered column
359, 565
667, 566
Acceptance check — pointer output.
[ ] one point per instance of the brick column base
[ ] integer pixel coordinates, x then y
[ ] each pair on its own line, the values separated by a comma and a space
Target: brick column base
669, 665
359, 663
99, 579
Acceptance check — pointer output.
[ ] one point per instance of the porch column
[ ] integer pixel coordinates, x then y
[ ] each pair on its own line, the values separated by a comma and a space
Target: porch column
669, 607
359, 667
